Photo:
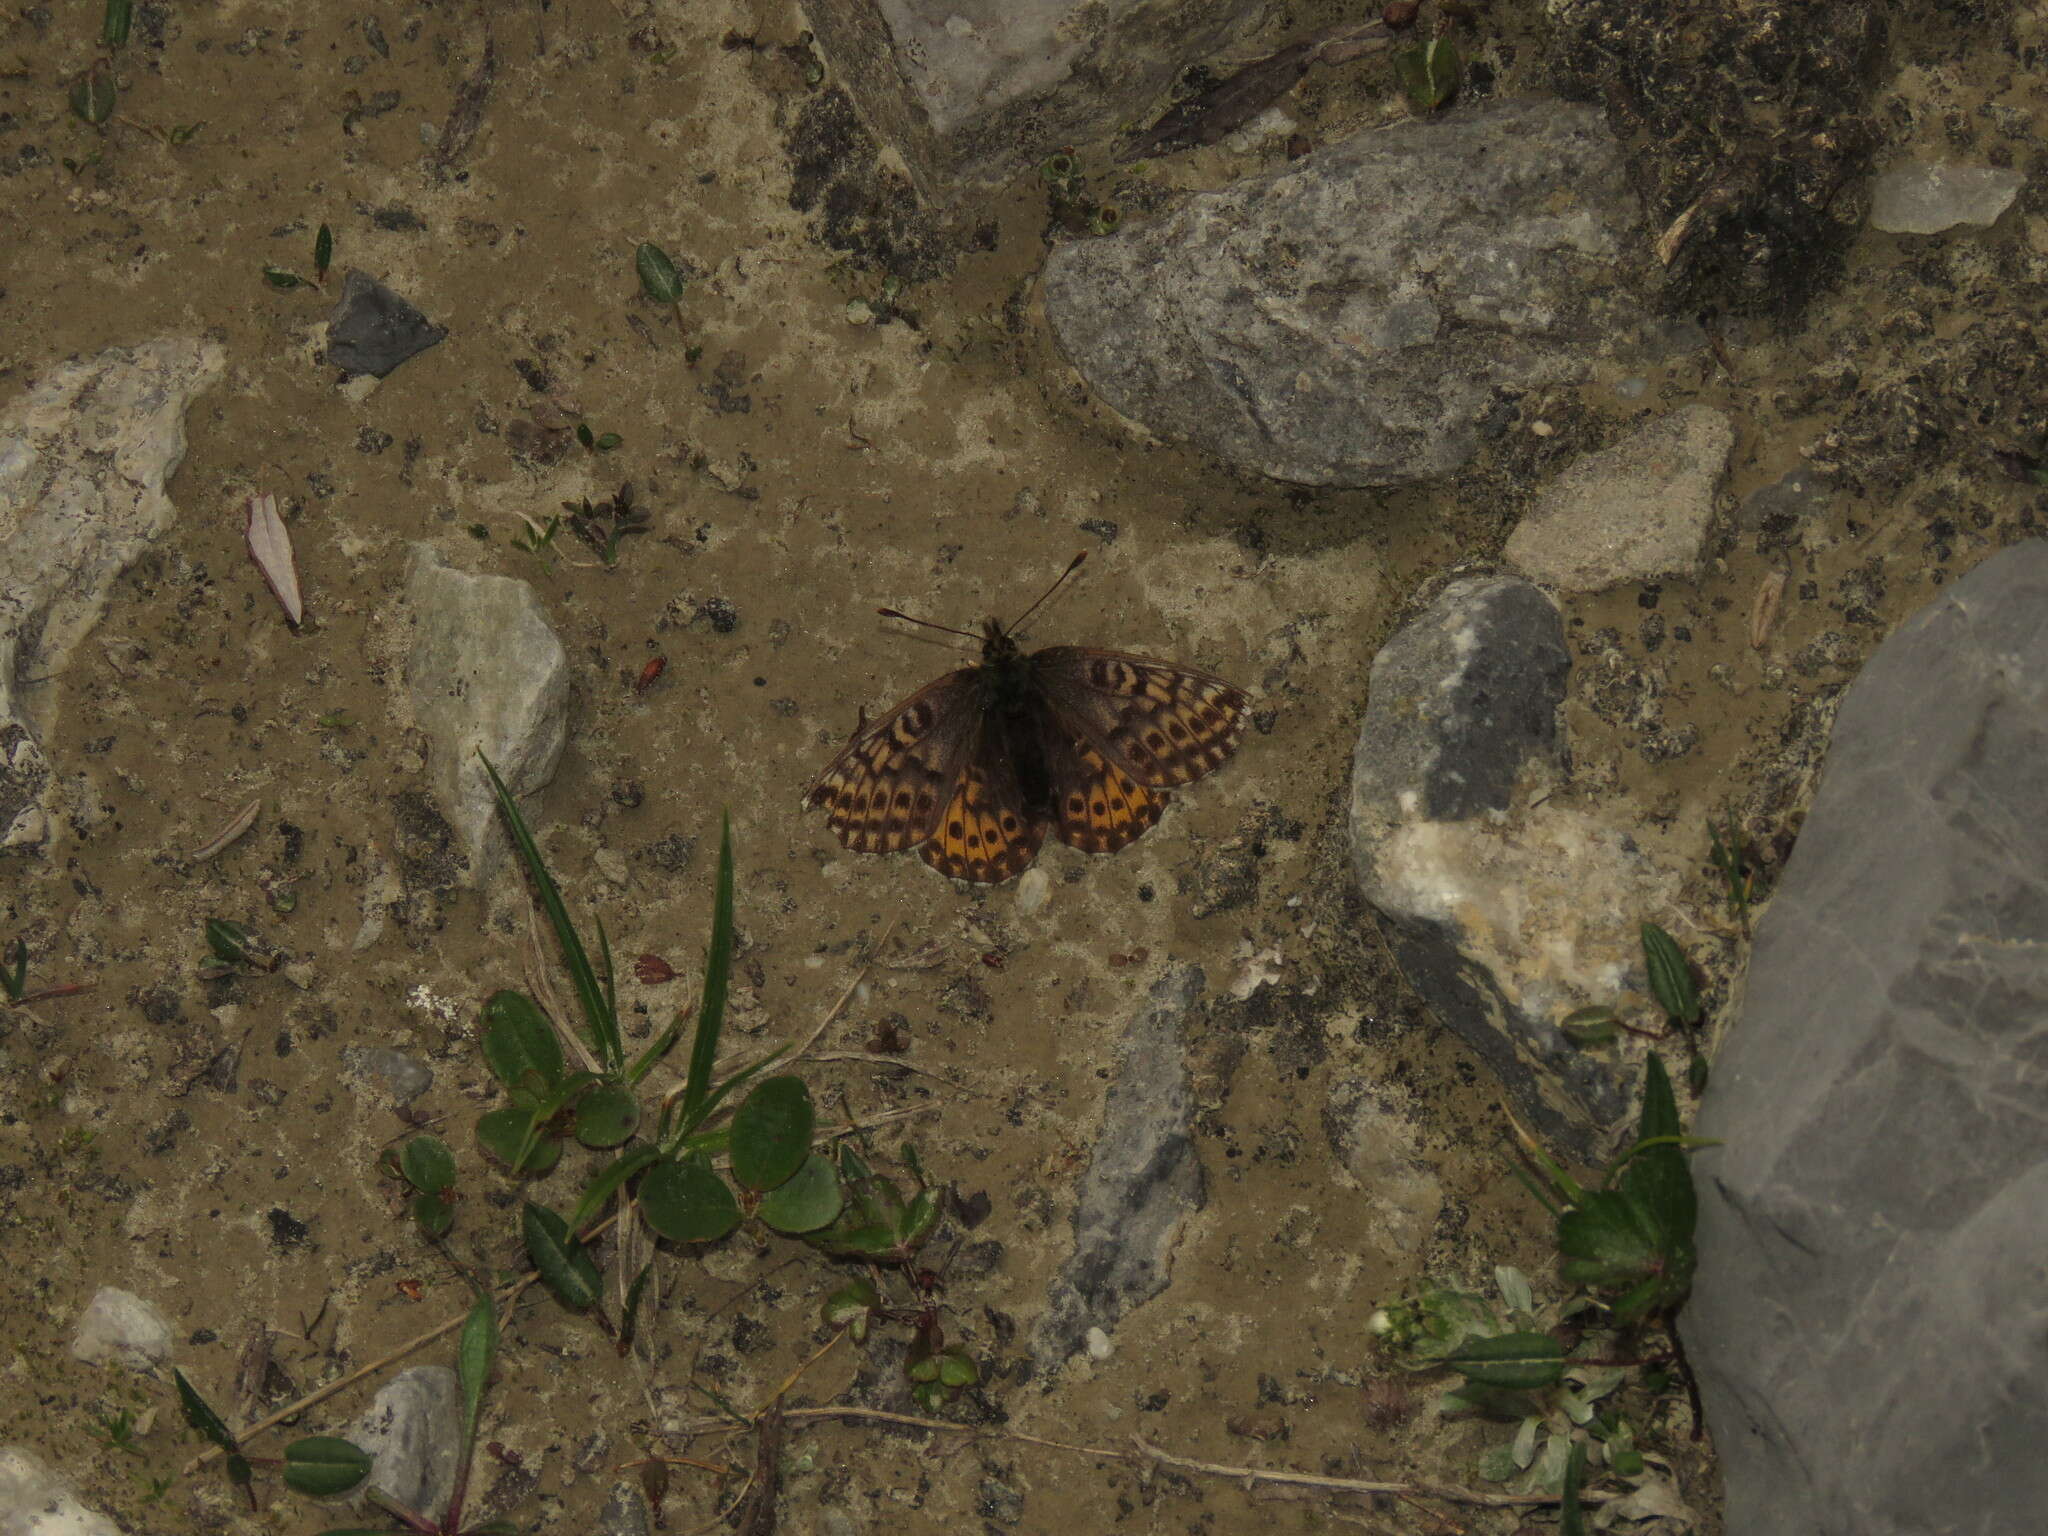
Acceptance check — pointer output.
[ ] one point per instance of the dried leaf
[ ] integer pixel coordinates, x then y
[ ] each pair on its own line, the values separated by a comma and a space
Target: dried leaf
271, 548
239, 823
1763, 611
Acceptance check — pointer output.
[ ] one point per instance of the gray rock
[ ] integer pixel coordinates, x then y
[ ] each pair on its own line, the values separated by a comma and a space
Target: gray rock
1143, 1181
401, 1076
1635, 512
1927, 199
34, 1500
485, 671
413, 1431
1508, 905
971, 91
625, 1512
84, 459
120, 1326
373, 330
1778, 512
1354, 318
1874, 1225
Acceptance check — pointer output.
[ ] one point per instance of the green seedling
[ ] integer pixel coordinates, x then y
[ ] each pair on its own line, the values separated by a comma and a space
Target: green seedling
118, 1431
14, 978
284, 278
427, 1168
335, 720
1731, 856
1430, 73
659, 279
604, 525
94, 94
594, 442
236, 948
114, 22
538, 540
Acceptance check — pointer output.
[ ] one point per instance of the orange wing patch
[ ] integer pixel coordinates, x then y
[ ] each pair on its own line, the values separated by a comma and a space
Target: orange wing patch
980, 837
1101, 808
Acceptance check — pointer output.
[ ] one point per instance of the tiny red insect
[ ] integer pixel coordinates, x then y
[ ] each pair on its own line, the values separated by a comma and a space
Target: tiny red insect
649, 673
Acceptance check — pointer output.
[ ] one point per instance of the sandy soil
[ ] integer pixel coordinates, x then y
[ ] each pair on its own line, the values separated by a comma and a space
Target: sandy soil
198, 1143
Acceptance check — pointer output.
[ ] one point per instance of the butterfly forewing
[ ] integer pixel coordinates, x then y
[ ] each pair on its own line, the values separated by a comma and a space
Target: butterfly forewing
1161, 724
885, 790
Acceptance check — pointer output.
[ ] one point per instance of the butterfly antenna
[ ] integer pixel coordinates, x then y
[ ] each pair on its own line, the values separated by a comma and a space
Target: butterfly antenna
944, 629
1073, 565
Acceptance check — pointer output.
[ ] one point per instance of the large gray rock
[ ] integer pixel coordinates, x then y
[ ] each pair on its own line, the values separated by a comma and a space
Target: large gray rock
1869, 1316
1354, 318
972, 91
84, 459
485, 672
1509, 905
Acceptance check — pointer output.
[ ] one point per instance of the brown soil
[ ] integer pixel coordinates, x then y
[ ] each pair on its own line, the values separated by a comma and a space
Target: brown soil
198, 1143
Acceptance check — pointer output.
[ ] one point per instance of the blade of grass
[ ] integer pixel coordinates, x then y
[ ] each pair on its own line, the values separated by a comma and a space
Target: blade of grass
717, 977
603, 1024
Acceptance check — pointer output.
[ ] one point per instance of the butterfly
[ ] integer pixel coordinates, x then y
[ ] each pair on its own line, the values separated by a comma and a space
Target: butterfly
975, 768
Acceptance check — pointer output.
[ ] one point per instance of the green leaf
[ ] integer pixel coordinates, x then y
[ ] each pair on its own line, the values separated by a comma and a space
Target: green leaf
114, 22
565, 1266
806, 1201
474, 1357
201, 1416
433, 1215
606, 1184
717, 977
771, 1133
607, 441
1608, 1241
1571, 1515
232, 943
428, 1165
852, 1301
957, 1369
280, 277
93, 95
919, 1218
324, 1466
1597, 1025
629, 1314
659, 279
1670, 977
1658, 1179
518, 1039
1514, 1362
684, 1201
601, 1021
606, 1115
1429, 73
507, 1133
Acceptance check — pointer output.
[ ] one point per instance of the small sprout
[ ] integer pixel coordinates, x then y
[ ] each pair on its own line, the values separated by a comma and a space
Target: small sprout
118, 1430
278, 277
114, 23
1105, 220
659, 279
14, 978
93, 94
594, 442
1731, 858
538, 539
237, 947
481, 532
1057, 167
183, 133
323, 254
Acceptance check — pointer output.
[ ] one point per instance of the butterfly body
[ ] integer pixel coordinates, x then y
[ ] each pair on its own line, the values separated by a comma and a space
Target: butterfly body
975, 768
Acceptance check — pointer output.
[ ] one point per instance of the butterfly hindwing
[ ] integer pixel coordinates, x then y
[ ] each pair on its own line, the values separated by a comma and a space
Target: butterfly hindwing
1097, 807
1162, 725
986, 833
885, 790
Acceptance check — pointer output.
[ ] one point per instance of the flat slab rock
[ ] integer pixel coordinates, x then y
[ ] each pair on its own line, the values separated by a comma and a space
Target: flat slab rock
1352, 319
1869, 1310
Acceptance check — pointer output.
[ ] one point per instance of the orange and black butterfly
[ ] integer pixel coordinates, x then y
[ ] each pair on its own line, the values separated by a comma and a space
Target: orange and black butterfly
976, 767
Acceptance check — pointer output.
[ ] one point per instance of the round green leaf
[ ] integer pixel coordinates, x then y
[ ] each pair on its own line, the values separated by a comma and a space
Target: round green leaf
606, 1115
501, 1134
805, 1202
434, 1215
771, 1133
428, 1165
324, 1466
686, 1202
659, 279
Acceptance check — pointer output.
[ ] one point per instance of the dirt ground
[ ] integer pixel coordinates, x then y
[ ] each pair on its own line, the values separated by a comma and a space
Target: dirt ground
198, 1143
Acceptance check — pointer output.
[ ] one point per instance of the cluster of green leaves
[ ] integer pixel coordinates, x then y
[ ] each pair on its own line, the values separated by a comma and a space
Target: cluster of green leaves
237, 949
604, 525
663, 1164
659, 278
1734, 858
328, 1467
1627, 1249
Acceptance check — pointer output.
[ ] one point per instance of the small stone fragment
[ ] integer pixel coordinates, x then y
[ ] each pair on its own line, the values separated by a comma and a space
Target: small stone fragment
373, 330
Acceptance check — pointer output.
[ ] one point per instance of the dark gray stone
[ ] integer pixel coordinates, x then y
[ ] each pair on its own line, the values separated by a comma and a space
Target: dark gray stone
1353, 319
1868, 1322
1507, 905
972, 91
1143, 1181
373, 330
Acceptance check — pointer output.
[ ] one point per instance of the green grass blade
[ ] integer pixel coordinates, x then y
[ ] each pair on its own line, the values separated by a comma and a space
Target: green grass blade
717, 978
603, 1024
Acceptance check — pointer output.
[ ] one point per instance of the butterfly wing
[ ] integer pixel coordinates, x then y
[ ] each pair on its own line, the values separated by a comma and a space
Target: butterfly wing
986, 833
886, 788
1097, 807
1158, 724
